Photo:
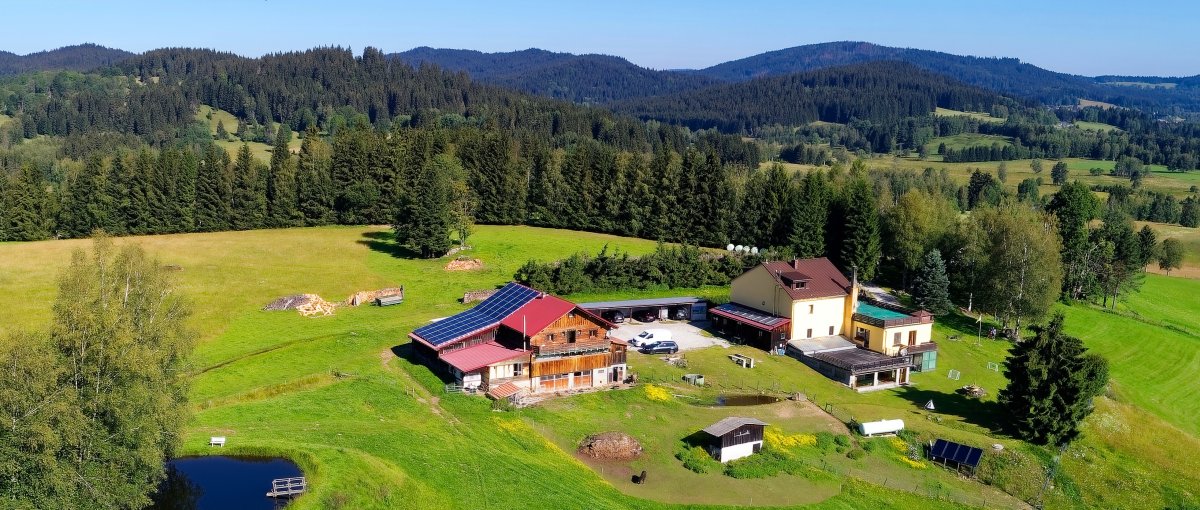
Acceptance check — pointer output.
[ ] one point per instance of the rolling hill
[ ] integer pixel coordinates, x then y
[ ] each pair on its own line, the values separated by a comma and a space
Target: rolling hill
79, 57
580, 78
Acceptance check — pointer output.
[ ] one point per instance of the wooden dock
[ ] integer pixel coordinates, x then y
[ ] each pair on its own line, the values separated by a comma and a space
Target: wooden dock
287, 487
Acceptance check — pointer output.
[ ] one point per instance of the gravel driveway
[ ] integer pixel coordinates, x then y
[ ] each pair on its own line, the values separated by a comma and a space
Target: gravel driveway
688, 335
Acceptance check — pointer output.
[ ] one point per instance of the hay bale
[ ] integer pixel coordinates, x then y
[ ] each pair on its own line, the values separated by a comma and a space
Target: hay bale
611, 446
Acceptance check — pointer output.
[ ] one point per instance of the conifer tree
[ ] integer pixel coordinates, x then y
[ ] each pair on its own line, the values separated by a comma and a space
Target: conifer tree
1051, 382
27, 211
248, 201
282, 202
931, 288
213, 189
222, 134
425, 220
861, 247
810, 215
315, 193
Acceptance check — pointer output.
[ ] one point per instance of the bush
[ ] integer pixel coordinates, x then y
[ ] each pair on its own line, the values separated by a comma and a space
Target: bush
856, 454
696, 459
872, 445
766, 463
826, 442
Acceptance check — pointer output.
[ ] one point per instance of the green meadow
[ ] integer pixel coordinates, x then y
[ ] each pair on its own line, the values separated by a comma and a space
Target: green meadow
372, 429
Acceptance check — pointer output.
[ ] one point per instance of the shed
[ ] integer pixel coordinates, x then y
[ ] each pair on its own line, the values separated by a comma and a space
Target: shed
959, 456
881, 427
735, 437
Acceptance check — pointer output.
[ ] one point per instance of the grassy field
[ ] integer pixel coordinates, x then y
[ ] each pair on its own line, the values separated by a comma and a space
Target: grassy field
4, 120
963, 140
232, 145
373, 430
1096, 126
986, 117
1088, 102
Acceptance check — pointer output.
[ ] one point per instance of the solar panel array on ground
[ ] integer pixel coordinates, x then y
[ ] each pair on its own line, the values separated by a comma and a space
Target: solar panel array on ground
950, 451
487, 313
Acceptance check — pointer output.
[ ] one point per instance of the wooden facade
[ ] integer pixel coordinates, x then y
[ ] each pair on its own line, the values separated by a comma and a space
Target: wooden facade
570, 364
573, 331
741, 435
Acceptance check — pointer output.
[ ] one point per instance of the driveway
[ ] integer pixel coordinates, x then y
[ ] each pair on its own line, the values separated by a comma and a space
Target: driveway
689, 335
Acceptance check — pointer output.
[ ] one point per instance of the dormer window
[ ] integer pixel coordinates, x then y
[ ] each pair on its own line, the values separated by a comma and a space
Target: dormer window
801, 284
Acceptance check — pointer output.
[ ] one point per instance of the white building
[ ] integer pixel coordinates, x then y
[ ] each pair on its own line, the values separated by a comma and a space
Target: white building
735, 437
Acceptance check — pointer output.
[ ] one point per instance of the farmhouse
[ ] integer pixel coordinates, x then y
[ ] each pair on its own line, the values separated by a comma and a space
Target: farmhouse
734, 437
521, 339
809, 309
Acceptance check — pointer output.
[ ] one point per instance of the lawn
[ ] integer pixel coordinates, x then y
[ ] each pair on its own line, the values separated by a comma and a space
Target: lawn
964, 140
232, 145
1096, 126
374, 430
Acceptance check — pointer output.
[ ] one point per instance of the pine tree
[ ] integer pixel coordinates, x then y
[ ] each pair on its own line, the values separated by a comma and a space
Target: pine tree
213, 189
425, 220
1052, 381
315, 193
931, 288
248, 201
861, 246
810, 215
221, 133
1002, 172
1189, 215
27, 211
282, 202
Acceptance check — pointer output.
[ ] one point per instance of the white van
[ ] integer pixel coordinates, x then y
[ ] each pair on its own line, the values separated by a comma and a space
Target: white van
650, 337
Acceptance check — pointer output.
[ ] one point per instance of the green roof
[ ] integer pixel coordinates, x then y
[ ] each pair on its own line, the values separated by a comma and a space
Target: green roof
879, 313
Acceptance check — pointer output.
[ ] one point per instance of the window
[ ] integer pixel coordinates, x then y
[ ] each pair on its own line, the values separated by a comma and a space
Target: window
516, 369
809, 333
830, 330
592, 333
811, 309
912, 337
571, 336
897, 338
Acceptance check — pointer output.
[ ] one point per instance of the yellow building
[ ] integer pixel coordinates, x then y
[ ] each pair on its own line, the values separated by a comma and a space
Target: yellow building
809, 309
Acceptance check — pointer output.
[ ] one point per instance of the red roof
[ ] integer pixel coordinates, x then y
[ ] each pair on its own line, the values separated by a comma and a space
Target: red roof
504, 391
540, 313
479, 356
824, 280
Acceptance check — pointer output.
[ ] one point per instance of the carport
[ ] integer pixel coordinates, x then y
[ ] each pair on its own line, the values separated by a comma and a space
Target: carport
697, 307
752, 327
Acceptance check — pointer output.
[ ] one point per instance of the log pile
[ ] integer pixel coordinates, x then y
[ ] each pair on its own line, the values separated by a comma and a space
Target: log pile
368, 296
472, 296
308, 305
464, 264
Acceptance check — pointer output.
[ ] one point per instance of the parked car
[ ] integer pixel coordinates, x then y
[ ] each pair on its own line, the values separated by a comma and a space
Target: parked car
681, 313
663, 347
650, 337
645, 315
613, 316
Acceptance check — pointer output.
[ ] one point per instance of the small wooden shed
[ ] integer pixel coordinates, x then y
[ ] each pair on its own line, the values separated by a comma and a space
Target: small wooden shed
735, 437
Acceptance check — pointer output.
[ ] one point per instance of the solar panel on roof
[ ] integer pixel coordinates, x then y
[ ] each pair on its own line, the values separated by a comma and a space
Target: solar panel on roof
487, 313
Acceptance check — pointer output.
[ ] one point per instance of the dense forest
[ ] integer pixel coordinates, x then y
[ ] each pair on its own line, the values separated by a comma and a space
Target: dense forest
577, 78
80, 57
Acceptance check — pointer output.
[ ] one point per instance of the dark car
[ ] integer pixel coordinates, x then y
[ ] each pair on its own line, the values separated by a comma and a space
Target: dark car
613, 316
645, 315
663, 347
681, 313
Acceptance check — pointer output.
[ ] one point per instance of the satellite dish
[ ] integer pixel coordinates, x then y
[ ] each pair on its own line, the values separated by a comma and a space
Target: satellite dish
730, 247
754, 250
740, 248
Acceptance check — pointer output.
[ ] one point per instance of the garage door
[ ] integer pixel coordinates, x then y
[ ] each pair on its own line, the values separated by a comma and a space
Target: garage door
583, 379
554, 382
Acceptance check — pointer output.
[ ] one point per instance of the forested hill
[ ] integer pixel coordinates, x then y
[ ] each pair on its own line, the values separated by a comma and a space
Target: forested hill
1005, 75
80, 57
578, 78
881, 92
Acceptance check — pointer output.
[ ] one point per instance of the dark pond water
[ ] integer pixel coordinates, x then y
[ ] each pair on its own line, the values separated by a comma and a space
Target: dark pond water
218, 483
746, 400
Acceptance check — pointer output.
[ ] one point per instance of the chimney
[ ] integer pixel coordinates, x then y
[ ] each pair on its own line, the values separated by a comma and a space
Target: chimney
795, 263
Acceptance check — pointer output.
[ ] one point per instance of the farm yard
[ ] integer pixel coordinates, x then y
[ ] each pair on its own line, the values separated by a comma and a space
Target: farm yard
370, 428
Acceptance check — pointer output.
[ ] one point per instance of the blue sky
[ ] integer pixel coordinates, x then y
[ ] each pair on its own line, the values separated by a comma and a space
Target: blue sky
1095, 37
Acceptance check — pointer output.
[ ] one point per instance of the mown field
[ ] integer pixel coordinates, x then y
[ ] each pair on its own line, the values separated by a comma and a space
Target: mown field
946, 112
213, 116
373, 430
963, 140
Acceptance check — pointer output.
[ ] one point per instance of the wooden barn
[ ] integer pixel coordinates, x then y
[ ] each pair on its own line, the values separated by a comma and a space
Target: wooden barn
529, 339
734, 437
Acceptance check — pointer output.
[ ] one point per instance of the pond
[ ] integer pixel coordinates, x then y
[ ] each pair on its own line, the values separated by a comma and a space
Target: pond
746, 400
218, 482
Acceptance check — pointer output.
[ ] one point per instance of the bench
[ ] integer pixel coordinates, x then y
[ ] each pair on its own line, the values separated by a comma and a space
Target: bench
743, 361
216, 441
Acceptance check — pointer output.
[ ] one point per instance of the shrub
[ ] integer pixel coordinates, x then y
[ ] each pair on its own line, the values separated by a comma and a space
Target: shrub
856, 454
872, 445
696, 459
775, 439
766, 463
656, 393
826, 442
